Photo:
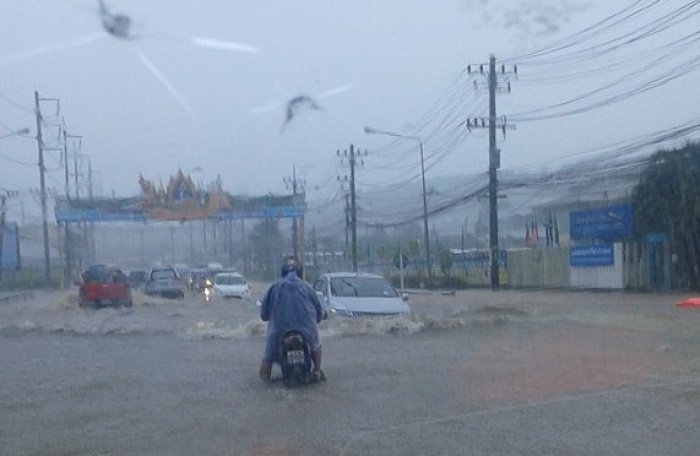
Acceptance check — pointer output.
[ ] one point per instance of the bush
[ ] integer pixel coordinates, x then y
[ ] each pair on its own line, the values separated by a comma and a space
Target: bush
451, 282
412, 280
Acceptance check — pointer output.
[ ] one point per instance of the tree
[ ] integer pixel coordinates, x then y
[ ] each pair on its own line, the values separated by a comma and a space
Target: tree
446, 260
667, 199
267, 241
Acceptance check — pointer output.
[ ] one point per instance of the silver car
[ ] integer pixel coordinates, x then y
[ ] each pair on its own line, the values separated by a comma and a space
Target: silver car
352, 294
164, 282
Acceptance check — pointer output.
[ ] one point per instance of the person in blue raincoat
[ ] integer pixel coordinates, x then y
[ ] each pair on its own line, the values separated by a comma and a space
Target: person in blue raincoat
290, 303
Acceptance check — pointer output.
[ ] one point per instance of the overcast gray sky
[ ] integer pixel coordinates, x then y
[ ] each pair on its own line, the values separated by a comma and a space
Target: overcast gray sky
403, 59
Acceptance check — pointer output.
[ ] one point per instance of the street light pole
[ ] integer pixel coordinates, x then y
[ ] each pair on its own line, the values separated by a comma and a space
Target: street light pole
374, 131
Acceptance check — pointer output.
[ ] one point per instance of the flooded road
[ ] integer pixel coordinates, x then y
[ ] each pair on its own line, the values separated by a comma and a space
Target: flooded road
476, 372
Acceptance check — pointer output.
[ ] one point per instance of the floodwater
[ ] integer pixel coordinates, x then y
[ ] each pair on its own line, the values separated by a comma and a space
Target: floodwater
474, 372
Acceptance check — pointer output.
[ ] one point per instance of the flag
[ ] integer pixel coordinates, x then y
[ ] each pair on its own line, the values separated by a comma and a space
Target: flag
527, 234
533, 230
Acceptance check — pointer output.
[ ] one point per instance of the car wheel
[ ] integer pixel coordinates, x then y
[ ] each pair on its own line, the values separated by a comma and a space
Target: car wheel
129, 303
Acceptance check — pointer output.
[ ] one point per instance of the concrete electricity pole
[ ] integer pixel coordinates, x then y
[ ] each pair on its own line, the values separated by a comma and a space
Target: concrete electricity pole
353, 156
296, 185
42, 183
347, 226
494, 157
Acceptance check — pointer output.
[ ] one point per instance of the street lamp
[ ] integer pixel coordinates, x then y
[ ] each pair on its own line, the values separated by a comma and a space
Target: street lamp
374, 131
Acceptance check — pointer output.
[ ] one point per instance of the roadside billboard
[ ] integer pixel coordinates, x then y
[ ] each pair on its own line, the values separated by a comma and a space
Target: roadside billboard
605, 223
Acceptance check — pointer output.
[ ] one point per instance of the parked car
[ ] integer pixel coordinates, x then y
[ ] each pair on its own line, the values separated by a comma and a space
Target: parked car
356, 294
164, 282
103, 285
231, 285
136, 278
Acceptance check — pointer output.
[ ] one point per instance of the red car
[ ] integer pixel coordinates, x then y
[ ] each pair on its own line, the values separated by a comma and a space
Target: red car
104, 286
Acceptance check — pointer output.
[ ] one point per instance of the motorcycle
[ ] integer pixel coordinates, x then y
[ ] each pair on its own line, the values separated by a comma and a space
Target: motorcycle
295, 360
208, 294
206, 287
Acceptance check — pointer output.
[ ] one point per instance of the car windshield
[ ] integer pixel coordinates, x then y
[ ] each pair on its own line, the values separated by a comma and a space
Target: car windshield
163, 274
229, 280
362, 287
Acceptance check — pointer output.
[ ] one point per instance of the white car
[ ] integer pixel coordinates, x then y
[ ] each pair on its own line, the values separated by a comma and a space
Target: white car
351, 294
231, 285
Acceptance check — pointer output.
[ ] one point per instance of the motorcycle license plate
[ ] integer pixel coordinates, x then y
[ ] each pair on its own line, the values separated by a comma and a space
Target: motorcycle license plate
295, 357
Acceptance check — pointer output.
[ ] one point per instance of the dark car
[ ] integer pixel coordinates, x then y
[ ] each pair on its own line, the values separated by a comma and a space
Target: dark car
137, 278
104, 285
165, 282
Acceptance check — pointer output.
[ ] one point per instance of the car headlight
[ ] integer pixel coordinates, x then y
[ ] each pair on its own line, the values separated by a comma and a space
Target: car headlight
341, 312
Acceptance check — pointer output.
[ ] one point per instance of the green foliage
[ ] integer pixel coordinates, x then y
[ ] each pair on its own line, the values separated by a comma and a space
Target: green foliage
451, 282
267, 242
667, 199
420, 280
412, 280
28, 279
445, 260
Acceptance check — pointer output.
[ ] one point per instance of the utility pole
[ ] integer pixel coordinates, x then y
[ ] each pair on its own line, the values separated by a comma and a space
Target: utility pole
494, 156
494, 163
91, 195
353, 156
244, 247
77, 169
347, 226
229, 224
353, 200
42, 183
69, 245
296, 186
66, 238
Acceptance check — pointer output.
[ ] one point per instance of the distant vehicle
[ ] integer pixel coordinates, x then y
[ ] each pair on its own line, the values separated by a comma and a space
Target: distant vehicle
351, 294
215, 267
136, 278
164, 282
104, 285
198, 280
231, 285
184, 271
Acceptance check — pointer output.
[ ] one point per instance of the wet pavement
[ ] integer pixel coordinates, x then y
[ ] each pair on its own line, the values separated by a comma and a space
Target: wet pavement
477, 372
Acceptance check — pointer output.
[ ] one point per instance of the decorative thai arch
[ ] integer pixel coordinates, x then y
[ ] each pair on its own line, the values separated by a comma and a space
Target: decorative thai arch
178, 201
181, 200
